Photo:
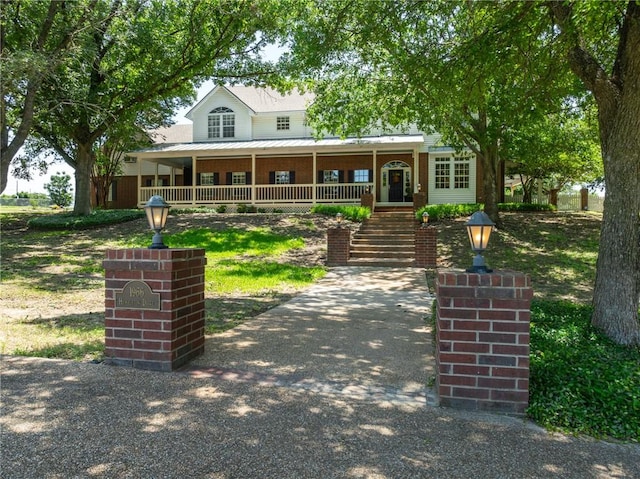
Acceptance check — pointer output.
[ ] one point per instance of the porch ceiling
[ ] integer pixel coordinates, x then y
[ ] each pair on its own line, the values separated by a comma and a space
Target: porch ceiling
181, 153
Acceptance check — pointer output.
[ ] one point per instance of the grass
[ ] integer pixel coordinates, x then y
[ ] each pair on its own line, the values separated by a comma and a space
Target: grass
63, 268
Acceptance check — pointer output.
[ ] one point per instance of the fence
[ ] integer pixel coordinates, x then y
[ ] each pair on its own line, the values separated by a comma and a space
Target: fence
566, 201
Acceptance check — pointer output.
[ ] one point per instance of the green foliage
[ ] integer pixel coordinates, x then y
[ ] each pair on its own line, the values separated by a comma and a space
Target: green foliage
448, 211
69, 221
244, 208
350, 213
199, 209
581, 382
60, 189
525, 207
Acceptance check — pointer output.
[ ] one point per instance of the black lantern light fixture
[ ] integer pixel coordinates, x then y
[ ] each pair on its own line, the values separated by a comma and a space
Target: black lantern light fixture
157, 210
479, 228
425, 218
339, 219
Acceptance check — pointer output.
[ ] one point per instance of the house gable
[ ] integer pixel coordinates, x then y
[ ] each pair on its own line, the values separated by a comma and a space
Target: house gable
219, 99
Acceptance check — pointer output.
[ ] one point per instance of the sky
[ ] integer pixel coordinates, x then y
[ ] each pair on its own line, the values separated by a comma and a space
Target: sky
36, 185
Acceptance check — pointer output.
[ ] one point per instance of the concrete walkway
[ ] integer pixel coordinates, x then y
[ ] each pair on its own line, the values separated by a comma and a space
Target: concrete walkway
329, 385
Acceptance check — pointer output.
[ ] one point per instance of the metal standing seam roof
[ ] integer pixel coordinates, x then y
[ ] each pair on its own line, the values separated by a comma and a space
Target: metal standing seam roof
187, 149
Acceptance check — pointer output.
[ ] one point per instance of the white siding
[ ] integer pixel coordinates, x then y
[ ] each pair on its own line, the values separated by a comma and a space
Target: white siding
148, 168
264, 126
222, 99
451, 195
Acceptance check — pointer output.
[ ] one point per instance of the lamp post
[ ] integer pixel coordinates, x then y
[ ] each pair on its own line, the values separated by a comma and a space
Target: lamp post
157, 210
425, 218
339, 219
479, 228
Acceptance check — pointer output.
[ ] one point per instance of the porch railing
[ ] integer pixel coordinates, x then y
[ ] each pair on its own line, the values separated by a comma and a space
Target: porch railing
258, 194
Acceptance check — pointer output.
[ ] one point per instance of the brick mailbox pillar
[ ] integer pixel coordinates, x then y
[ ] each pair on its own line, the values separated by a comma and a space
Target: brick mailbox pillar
426, 247
154, 307
482, 351
338, 245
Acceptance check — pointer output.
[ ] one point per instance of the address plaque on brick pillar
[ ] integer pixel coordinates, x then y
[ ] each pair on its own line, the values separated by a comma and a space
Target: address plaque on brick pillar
137, 295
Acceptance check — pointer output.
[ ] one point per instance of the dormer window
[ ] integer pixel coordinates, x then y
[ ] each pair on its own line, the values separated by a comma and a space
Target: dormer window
222, 123
282, 123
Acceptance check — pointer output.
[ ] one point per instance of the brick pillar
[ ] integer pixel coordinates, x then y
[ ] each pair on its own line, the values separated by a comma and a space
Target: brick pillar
154, 307
482, 349
426, 247
338, 244
584, 199
366, 200
419, 200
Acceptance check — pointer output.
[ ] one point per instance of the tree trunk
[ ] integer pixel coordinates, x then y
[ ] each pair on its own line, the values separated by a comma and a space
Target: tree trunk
616, 294
490, 162
84, 164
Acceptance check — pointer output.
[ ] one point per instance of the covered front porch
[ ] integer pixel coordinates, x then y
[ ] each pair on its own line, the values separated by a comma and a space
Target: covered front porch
291, 175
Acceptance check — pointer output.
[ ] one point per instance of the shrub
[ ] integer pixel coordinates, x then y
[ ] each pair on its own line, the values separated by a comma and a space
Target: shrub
452, 211
244, 208
67, 221
350, 213
525, 207
448, 211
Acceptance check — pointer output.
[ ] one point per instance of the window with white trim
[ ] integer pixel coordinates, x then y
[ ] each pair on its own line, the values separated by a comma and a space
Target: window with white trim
361, 176
239, 178
282, 123
282, 178
206, 179
461, 173
443, 173
221, 123
331, 176
452, 172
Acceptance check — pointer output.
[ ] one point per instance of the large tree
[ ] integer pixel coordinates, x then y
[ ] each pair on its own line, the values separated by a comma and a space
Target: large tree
429, 64
35, 38
602, 42
138, 61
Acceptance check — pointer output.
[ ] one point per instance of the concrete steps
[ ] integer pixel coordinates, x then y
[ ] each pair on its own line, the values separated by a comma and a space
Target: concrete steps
385, 239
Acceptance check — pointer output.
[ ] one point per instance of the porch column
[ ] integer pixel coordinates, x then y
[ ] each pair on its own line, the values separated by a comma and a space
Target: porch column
416, 169
194, 178
375, 176
253, 179
139, 160
155, 176
314, 178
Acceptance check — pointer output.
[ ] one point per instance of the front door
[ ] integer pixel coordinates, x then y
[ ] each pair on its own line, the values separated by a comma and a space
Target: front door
396, 191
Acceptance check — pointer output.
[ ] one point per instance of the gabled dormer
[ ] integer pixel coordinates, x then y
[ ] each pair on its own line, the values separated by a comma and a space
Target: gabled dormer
220, 116
239, 113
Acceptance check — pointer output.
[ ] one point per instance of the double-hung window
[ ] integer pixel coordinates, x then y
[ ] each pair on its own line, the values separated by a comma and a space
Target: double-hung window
331, 176
238, 178
282, 178
221, 123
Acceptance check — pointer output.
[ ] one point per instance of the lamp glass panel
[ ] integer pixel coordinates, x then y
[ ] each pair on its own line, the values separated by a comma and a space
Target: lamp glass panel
157, 216
479, 236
